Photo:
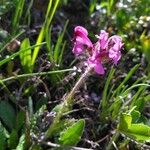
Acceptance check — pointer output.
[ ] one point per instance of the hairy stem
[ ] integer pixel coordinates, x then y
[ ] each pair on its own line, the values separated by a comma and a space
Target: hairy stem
68, 102
69, 97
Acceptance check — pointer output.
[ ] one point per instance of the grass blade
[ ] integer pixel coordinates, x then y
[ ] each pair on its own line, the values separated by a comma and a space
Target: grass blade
26, 56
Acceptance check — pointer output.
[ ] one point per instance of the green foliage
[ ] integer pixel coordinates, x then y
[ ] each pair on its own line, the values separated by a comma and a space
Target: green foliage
13, 139
18, 14
145, 43
25, 56
57, 53
72, 135
137, 131
6, 60
125, 98
5, 6
21, 144
7, 114
20, 120
128, 76
3, 137
48, 18
92, 6
114, 99
105, 91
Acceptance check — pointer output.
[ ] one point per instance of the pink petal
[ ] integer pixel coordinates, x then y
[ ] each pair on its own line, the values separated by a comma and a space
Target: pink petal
78, 49
82, 39
96, 64
99, 68
103, 38
81, 29
116, 44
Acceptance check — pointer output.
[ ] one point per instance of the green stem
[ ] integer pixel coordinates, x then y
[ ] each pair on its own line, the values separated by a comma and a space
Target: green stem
114, 138
68, 102
34, 74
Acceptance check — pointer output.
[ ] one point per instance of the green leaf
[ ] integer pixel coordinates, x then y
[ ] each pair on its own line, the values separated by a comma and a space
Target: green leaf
72, 135
57, 53
115, 107
59, 127
105, 91
36, 49
7, 59
138, 132
128, 76
7, 114
13, 139
17, 14
135, 116
48, 18
57, 108
25, 56
125, 122
21, 145
145, 43
2, 138
20, 120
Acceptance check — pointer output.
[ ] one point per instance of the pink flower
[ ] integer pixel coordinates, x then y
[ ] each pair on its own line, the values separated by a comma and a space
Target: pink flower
81, 40
97, 65
104, 50
115, 44
103, 38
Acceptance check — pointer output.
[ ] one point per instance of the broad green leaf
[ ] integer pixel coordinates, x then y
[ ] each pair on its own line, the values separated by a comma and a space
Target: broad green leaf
140, 129
72, 135
2, 138
13, 139
21, 145
20, 120
58, 127
125, 122
139, 132
25, 56
7, 114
